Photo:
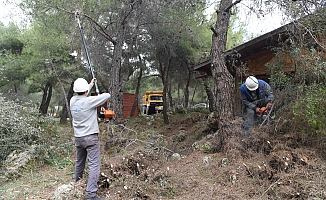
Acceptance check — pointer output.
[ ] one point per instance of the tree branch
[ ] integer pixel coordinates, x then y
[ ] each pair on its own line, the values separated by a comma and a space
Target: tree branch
233, 4
314, 38
100, 30
214, 31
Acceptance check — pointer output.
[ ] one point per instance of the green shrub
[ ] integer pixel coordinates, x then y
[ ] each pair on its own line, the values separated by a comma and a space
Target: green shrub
20, 127
279, 80
310, 110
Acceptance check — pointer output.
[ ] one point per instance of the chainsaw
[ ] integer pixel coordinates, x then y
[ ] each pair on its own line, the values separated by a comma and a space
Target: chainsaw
262, 111
103, 113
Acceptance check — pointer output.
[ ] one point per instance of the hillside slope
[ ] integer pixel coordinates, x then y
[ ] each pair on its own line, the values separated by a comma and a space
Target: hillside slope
145, 159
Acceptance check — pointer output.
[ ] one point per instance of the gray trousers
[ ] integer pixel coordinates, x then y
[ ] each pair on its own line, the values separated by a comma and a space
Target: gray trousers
249, 118
88, 147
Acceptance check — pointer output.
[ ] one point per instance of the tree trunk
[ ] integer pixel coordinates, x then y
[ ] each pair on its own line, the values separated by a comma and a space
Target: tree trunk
193, 95
164, 72
222, 77
211, 97
15, 88
65, 111
169, 93
125, 72
120, 73
66, 108
47, 95
179, 99
165, 105
115, 89
186, 93
135, 106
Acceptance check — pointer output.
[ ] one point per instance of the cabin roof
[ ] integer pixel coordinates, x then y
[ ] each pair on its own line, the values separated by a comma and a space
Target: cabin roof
252, 49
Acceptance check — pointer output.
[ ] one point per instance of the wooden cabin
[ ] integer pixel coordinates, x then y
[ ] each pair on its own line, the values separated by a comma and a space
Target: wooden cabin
251, 58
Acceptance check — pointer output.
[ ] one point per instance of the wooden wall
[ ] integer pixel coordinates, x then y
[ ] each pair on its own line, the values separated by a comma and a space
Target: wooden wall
128, 102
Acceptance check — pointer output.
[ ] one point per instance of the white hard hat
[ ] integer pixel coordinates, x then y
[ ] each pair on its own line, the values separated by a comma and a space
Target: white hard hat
251, 83
80, 85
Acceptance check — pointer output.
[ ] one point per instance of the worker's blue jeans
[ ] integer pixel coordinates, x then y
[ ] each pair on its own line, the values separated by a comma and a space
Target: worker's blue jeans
88, 147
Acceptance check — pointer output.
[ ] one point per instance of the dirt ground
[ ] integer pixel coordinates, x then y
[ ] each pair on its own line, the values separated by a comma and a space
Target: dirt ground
145, 159
259, 164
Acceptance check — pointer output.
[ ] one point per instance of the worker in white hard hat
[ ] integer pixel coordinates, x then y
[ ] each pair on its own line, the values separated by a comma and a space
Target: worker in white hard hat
255, 94
84, 119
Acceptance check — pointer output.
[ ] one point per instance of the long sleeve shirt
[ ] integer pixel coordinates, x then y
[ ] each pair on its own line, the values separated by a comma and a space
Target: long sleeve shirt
84, 113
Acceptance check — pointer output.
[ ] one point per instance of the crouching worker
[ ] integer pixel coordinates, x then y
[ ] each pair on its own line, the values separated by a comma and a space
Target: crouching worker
254, 95
85, 124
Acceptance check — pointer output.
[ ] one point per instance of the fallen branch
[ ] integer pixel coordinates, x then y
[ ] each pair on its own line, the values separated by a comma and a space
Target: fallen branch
269, 188
135, 140
249, 172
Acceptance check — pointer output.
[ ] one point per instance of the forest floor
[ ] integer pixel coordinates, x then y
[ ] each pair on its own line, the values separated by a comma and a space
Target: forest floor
145, 159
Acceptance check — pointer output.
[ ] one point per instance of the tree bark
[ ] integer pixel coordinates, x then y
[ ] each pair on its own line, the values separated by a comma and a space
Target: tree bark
164, 72
222, 77
186, 93
120, 73
65, 111
47, 95
193, 95
211, 97
66, 107
170, 99
115, 85
135, 105
178, 91
169, 93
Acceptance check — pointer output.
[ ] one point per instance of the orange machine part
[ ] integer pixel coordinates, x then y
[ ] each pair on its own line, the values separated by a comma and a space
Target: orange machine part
261, 111
109, 114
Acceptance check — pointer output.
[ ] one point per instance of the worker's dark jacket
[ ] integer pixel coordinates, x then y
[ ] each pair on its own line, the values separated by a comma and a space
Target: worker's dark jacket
264, 95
